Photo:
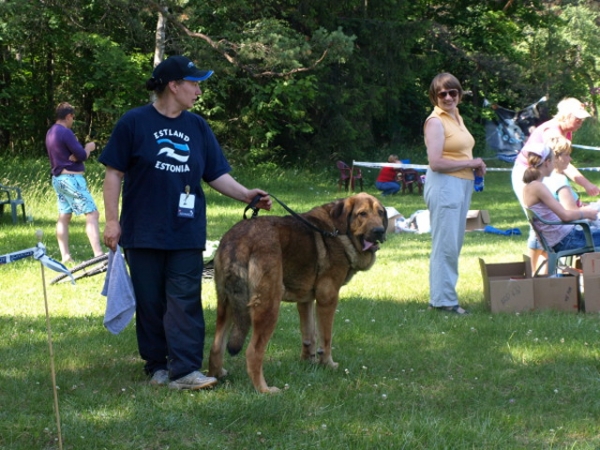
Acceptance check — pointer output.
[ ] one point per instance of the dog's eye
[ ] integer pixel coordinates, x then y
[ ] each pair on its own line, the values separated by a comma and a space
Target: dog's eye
362, 213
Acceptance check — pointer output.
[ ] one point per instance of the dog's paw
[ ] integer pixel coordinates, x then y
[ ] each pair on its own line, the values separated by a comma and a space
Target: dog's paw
313, 359
272, 390
328, 362
220, 373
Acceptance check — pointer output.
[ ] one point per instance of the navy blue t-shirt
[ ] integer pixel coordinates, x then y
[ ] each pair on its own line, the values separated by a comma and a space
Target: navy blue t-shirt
160, 156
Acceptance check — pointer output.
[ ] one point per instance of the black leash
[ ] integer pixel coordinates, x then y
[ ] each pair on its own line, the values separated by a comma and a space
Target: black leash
255, 200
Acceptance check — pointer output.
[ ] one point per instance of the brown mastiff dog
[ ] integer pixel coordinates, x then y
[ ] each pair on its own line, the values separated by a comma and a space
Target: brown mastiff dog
302, 259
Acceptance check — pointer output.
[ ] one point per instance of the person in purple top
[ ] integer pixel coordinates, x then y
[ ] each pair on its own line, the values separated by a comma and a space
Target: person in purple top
66, 162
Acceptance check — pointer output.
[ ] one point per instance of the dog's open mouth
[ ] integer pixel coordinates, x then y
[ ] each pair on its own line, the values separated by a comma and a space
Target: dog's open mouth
370, 246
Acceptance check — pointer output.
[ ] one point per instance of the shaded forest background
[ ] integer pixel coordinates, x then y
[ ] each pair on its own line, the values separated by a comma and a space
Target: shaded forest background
297, 83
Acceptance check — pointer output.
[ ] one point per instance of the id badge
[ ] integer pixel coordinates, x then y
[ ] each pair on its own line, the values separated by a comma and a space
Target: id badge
186, 206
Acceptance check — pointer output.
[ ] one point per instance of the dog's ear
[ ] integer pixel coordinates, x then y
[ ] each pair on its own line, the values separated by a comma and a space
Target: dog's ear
341, 213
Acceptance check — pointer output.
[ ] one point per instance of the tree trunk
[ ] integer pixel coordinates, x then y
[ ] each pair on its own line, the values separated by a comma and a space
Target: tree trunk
159, 41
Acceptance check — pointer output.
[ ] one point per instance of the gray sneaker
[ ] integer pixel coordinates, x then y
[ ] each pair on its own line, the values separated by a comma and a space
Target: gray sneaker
193, 381
160, 378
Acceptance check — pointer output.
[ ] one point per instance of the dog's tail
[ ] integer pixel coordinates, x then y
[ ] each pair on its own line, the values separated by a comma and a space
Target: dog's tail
238, 295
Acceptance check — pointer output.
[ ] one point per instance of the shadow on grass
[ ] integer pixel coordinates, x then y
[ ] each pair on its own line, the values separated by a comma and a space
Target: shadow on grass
407, 377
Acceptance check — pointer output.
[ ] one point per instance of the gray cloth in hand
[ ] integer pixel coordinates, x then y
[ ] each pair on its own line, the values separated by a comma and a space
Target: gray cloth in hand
118, 290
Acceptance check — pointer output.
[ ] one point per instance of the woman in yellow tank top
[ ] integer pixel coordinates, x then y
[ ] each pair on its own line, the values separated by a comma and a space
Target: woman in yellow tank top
448, 188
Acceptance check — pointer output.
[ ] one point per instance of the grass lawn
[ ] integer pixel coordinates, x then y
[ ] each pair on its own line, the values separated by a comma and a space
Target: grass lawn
408, 378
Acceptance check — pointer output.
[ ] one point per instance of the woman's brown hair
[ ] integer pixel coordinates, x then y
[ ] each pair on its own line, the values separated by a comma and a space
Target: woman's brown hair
534, 161
444, 81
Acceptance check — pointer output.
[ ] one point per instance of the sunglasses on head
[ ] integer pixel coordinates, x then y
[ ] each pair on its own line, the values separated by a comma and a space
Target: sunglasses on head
453, 93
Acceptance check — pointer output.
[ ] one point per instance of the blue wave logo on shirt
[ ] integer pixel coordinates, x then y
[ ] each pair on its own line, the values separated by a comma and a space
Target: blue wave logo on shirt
179, 152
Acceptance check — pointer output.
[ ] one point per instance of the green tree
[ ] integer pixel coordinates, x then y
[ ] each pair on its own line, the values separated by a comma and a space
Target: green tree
51, 56
297, 82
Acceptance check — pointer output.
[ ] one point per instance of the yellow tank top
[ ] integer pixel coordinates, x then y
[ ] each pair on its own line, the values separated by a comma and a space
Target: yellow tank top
458, 145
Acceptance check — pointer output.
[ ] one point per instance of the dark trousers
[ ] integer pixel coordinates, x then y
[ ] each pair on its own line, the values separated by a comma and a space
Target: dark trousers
169, 316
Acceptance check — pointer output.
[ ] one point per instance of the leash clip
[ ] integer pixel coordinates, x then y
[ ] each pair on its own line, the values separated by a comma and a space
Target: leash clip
252, 206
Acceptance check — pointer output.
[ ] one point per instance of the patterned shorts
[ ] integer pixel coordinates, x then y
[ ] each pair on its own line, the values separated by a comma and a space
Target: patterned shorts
73, 194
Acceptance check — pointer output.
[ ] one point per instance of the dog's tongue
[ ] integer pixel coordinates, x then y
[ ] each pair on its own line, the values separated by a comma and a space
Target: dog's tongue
369, 245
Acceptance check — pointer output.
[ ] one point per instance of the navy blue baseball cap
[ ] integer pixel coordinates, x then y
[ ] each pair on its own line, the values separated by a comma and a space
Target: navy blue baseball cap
179, 68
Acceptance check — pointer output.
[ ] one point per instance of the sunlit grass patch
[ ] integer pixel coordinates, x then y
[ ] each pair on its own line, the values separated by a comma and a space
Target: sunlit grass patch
408, 377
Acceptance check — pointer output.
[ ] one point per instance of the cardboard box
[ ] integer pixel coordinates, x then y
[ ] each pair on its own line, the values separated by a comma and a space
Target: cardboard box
590, 264
392, 214
391, 228
508, 287
557, 293
477, 219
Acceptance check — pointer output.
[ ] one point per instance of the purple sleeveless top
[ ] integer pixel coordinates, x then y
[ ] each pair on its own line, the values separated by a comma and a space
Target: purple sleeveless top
552, 233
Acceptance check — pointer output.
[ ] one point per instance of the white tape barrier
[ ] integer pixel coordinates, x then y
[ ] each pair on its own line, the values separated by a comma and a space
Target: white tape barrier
586, 147
374, 165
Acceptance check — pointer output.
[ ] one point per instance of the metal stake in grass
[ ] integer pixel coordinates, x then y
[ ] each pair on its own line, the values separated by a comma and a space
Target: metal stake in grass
39, 235
39, 253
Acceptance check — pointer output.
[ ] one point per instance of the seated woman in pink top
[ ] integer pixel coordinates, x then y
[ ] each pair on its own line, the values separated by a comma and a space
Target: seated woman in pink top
569, 118
538, 198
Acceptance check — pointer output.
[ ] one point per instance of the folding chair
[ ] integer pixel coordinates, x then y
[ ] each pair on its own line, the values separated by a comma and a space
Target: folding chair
410, 178
349, 175
12, 197
553, 257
